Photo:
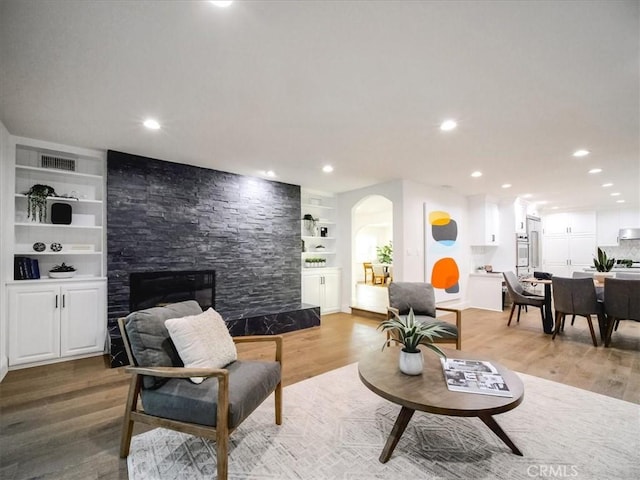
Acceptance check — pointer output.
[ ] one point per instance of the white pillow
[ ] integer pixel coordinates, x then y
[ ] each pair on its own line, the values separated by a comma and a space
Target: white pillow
202, 341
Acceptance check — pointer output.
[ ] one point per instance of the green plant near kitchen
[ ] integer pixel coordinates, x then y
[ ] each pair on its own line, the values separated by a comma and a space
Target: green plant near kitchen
385, 253
602, 262
410, 333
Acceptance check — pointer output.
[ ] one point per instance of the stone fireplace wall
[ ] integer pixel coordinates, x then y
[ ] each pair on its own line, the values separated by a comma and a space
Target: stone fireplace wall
168, 216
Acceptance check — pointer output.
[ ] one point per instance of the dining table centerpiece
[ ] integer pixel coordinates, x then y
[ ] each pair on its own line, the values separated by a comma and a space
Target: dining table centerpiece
603, 266
410, 333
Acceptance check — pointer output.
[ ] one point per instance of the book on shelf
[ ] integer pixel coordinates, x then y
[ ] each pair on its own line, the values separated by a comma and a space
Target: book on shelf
25, 268
474, 376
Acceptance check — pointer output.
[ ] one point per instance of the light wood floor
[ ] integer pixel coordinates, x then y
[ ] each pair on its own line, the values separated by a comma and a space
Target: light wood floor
63, 421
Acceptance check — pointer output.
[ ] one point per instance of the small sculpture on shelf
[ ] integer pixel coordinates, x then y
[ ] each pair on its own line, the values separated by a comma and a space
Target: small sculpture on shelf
37, 201
310, 225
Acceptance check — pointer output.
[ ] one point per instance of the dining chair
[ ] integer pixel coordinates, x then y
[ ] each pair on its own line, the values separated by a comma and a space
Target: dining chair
420, 297
379, 275
368, 272
575, 296
621, 302
521, 297
205, 401
579, 274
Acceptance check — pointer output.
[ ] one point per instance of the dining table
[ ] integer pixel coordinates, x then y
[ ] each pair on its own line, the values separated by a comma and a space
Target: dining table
547, 322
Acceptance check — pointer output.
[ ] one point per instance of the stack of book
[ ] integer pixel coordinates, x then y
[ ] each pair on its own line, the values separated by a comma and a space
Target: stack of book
25, 268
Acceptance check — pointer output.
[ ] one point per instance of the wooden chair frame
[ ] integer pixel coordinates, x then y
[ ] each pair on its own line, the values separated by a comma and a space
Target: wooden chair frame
221, 432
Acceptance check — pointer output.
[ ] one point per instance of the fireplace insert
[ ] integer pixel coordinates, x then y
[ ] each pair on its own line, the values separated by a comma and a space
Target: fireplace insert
149, 289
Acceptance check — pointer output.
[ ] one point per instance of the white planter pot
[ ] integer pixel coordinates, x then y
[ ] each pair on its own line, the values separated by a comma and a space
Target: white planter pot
411, 363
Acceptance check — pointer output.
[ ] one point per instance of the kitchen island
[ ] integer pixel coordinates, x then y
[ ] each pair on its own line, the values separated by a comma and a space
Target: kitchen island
485, 290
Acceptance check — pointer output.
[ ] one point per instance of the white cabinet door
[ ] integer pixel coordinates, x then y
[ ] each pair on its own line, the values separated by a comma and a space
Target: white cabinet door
608, 226
82, 318
484, 218
582, 249
311, 289
582, 223
331, 284
34, 327
555, 224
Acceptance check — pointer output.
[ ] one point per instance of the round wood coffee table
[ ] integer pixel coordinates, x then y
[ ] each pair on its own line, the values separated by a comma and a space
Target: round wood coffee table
428, 392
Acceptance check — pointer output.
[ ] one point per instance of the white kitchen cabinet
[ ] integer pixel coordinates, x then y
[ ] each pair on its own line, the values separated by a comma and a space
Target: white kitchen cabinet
609, 223
484, 220
49, 321
485, 291
564, 254
573, 223
322, 287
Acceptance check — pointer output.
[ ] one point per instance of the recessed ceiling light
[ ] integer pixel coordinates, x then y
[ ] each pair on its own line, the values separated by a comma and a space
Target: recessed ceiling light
269, 173
448, 125
595, 170
151, 124
476, 174
605, 185
221, 3
527, 195
619, 201
506, 185
542, 202
615, 194
554, 208
581, 153
327, 169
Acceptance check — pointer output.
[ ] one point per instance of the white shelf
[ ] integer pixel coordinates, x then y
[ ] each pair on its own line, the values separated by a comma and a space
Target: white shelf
62, 174
33, 253
57, 225
46, 279
320, 207
308, 237
63, 199
319, 252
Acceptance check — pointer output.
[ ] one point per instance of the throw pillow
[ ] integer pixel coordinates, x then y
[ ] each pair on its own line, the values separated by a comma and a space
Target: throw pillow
202, 341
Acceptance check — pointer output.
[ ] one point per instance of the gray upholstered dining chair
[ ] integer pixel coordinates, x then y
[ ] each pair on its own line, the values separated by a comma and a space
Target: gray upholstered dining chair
521, 297
211, 409
576, 296
421, 298
621, 302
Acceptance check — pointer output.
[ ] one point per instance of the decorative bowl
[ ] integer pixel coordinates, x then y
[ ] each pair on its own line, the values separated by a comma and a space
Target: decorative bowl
61, 274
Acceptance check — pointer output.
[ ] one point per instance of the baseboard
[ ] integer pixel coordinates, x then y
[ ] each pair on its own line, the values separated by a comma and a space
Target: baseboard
4, 367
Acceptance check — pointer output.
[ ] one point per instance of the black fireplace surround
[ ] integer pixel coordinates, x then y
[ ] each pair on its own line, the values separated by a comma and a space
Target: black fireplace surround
170, 217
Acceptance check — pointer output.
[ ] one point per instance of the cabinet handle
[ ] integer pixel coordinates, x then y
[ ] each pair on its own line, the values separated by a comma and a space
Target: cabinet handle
56, 301
493, 237
63, 300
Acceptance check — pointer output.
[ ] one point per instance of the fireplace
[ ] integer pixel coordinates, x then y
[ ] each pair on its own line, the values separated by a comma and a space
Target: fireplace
149, 289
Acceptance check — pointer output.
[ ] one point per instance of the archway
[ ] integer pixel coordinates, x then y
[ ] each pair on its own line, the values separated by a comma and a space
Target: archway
372, 229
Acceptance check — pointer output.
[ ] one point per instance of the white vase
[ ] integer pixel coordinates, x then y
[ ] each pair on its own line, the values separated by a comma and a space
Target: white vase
411, 362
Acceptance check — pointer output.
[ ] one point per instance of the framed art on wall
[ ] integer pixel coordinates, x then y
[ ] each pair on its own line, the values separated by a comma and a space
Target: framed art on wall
442, 251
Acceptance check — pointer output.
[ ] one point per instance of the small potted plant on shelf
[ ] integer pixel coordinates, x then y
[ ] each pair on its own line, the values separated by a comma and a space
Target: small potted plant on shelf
603, 266
62, 271
411, 334
37, 201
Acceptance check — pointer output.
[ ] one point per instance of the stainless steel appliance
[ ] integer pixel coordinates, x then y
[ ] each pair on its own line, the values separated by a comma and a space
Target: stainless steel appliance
522, 250
534, 234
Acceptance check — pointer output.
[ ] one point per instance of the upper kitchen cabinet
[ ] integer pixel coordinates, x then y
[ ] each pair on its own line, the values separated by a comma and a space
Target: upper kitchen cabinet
572, 223
520, 211
609, 223
484, 221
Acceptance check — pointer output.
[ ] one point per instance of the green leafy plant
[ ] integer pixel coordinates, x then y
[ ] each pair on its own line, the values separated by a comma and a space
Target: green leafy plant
602, 263
37, 201
409, 333
385, 253
62, 268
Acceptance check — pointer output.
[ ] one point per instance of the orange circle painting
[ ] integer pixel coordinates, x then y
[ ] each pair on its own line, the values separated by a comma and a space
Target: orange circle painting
445, 275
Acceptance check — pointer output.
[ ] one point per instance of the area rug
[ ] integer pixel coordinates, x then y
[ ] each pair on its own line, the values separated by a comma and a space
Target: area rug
335, 428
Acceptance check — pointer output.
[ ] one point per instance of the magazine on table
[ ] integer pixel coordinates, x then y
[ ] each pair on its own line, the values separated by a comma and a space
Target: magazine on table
474, 376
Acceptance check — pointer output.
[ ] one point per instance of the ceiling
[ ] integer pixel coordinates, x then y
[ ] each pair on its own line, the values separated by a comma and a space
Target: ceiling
361, 85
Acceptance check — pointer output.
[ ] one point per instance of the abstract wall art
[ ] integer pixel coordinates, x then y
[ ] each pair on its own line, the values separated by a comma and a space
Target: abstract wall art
442, 252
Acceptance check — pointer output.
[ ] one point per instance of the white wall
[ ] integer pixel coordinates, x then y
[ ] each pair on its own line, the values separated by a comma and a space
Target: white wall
6, 154
408, 230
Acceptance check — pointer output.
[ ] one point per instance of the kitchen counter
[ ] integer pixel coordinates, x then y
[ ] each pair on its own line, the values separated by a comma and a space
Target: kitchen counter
485, 290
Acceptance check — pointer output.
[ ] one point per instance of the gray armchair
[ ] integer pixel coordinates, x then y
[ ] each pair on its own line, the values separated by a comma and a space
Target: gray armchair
576, 296
521, 297
421, 297
212, 409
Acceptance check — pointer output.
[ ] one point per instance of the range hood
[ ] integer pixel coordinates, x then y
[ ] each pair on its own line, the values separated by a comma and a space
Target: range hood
629, 234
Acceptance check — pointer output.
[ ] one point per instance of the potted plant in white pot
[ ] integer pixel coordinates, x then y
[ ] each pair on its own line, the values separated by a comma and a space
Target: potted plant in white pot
62, 271
603, 266
411, 334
